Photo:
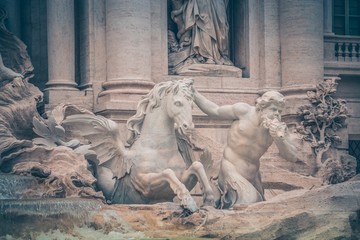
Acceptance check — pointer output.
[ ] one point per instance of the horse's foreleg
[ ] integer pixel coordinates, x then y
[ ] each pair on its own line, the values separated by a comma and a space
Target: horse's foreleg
105, 181
197, 169
149, 181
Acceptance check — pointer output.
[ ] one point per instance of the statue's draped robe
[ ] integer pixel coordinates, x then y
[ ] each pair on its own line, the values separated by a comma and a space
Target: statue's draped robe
208, 22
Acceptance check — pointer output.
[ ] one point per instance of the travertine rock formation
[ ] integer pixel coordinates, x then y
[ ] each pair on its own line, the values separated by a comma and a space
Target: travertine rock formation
330, 212
59, 171
29, 144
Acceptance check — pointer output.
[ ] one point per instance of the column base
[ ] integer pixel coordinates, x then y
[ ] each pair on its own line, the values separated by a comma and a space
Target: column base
55, 96
126, 86
86, 86
61, 85
119, 99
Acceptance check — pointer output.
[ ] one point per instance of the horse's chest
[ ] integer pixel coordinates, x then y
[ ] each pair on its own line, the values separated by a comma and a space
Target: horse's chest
159, 160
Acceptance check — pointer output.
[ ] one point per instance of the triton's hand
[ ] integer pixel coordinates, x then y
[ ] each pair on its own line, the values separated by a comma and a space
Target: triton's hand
276, 128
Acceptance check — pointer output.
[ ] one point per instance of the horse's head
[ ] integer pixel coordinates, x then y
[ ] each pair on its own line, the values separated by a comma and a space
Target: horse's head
179, 103
175, 97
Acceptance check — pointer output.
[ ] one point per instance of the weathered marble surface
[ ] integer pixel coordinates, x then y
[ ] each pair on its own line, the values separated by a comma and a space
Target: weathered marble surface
320, 123
58, 170
156, 164
278, 175
18, 101
253, 130
330, 212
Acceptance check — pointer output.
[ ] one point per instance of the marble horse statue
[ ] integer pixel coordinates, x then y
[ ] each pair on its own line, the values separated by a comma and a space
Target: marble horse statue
151, 168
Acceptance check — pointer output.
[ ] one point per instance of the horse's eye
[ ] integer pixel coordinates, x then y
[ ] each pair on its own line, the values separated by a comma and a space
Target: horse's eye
178, 103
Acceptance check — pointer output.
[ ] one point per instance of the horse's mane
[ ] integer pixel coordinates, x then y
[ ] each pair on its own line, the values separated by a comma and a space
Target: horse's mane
153, 100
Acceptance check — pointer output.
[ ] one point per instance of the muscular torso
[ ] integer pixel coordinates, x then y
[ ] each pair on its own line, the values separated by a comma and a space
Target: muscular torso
247, 141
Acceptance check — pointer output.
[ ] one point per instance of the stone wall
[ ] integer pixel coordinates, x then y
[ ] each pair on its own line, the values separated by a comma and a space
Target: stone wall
120, 52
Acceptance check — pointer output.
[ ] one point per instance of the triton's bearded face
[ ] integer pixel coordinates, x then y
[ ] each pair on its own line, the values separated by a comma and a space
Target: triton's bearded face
271, 112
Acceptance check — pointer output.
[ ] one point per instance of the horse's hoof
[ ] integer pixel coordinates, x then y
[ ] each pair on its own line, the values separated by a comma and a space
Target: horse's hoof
209, 200
189, 203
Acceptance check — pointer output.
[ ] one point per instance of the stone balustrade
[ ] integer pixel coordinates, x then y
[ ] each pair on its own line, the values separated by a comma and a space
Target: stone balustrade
347, 51
342, 49
342, 53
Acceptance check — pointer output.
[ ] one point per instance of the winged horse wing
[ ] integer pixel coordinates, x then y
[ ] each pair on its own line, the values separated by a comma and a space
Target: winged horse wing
105, 141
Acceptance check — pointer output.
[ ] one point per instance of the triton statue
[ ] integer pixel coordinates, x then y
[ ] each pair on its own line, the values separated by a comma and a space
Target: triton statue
253, 131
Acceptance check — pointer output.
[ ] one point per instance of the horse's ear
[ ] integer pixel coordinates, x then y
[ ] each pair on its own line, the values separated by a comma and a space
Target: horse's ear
189, 81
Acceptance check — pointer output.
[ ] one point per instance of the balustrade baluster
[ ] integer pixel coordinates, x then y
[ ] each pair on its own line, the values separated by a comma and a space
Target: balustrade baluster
352, 53
347, 56
342, 56
337, 51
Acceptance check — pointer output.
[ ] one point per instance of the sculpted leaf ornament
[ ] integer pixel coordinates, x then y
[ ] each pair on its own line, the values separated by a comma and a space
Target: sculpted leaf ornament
320, 120
51, 134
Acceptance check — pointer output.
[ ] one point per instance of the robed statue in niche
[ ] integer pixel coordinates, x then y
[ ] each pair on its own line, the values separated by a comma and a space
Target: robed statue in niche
199, 37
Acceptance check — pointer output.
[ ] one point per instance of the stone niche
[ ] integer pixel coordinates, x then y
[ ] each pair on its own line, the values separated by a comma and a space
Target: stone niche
237, 18
240, 82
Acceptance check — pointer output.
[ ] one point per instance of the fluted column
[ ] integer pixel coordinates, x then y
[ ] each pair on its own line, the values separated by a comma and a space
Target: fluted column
128, 58
128, 46
301, 36
302, 50
272, 78
61, 44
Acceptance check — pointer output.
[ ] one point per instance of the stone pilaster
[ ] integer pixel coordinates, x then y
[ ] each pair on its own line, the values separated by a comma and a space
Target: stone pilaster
61, 86
272, 78
128, 57
328, 18
86, 31
302, 51
93, 45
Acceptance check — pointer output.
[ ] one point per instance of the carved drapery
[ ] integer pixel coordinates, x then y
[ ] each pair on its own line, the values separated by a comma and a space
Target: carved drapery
198, 38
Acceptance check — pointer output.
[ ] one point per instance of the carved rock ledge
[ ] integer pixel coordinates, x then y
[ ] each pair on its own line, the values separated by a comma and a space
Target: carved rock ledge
326, 213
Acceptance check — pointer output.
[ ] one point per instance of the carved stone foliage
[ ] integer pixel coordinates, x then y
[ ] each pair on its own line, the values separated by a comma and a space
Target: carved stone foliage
339, 169
51, 134
320, 120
